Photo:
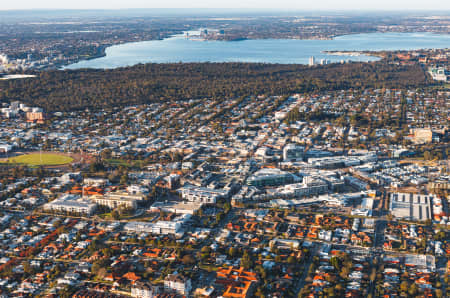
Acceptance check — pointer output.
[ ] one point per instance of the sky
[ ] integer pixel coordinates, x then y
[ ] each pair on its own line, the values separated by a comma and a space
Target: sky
438, 5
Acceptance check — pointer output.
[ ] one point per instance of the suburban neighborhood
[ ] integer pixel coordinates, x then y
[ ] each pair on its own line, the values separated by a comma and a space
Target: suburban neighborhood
341, 194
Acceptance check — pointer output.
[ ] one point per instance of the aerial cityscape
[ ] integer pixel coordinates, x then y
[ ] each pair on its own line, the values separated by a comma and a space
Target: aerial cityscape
224, 152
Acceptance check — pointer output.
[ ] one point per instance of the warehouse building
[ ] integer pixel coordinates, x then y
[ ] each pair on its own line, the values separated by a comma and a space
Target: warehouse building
411, 206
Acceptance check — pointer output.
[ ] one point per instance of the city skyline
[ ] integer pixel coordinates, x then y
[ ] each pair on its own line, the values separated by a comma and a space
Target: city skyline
233, 4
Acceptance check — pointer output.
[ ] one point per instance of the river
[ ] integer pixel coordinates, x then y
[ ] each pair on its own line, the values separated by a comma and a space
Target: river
286, 51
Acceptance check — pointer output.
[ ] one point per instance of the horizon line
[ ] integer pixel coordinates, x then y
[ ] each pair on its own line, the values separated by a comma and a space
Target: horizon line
234, 8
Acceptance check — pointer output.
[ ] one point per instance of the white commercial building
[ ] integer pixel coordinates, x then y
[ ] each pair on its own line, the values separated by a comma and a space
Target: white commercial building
144, 290
356, 183
310, 186
114, 201
72, 204
120, 195
271, 177
439, 73
202, 194
95, 182
292, 152
178, 283
176, 207
5, 148
411, 206
162, 227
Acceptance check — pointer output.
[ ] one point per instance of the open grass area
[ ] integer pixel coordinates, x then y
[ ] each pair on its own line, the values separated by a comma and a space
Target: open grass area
37, 159
121, 162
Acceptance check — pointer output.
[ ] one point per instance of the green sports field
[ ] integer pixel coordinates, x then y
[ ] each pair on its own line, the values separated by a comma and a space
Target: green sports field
44, 159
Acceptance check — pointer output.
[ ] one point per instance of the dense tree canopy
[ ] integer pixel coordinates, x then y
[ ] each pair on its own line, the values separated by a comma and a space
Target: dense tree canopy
144, 83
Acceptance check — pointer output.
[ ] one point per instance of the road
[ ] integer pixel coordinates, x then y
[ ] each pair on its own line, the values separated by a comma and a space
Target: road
380, 226
302, 281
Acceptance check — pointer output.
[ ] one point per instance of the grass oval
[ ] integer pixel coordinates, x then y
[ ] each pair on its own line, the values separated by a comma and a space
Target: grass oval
44, 159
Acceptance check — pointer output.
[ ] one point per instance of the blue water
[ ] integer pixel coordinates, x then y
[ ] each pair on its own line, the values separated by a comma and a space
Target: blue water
180, 49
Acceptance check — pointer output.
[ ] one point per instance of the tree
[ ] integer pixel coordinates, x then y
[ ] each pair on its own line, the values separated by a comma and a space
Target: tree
124, 179
413, 289
101, 273
246, 260
115, 214
28, 269
373, 274
334, 261
440, 235
259, 293
227, 207
96, 267
96, 167
438, 284
329, 291
188, 259
304, 292
404, 286
206, 249
205, 252
200, 212
232, 251
219, 217
344, 272
94, 246
106, 153
291, 260
107, 251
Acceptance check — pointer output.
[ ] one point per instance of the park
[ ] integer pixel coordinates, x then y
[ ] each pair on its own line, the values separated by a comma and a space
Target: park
40, 159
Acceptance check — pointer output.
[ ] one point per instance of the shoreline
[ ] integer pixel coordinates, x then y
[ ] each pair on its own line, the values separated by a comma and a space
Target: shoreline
372, 54
101, 52
378, 54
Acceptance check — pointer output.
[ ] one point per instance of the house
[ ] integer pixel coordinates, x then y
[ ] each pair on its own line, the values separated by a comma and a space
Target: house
204, 292
131, 276
238, 282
